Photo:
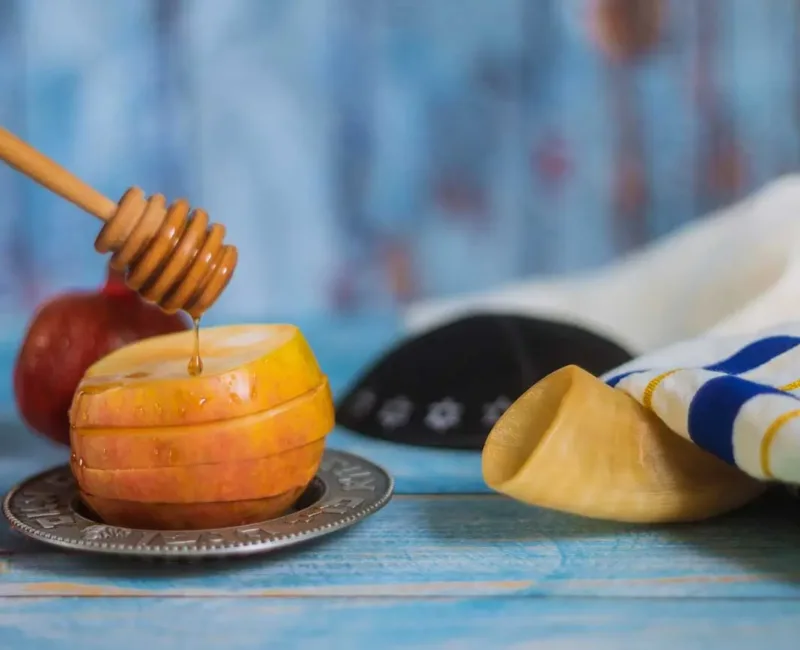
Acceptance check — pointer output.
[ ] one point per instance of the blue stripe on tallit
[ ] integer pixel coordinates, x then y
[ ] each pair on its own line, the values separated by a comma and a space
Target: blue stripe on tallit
618, 378
748, 358
755, 354
714, 408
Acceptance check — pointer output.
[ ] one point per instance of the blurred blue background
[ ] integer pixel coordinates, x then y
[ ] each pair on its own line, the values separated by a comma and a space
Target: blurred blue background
365, 153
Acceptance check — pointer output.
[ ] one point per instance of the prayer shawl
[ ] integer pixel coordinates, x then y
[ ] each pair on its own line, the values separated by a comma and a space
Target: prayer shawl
737, 397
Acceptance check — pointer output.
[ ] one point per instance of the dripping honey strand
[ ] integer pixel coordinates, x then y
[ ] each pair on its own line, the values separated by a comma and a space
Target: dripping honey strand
196, 362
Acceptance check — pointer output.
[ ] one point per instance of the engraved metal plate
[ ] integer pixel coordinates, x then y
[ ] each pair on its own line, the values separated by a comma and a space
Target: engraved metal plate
347, 488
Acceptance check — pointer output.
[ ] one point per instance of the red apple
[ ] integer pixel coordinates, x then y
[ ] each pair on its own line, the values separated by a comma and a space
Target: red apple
68, 334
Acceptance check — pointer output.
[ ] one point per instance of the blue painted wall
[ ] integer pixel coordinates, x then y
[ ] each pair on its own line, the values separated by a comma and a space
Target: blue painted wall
366, 152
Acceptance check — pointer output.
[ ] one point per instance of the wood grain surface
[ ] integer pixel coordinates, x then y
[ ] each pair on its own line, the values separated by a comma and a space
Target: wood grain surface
387, 623
452, 546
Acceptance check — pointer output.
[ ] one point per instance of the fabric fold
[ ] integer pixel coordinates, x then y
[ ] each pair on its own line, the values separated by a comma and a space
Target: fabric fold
736, 397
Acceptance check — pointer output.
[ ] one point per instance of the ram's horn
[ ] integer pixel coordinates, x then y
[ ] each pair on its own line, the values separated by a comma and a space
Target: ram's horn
573, 443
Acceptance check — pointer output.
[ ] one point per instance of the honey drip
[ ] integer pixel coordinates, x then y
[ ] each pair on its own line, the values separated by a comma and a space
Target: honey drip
196, 362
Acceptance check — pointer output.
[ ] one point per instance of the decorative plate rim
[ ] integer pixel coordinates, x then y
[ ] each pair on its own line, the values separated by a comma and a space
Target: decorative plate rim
334, 492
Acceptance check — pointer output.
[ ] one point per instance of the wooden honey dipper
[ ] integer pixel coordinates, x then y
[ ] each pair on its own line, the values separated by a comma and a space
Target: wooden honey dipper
170, 257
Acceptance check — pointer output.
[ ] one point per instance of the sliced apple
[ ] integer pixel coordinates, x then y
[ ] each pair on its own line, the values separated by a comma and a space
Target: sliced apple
213, 482
292, 424
190, 516
247, 369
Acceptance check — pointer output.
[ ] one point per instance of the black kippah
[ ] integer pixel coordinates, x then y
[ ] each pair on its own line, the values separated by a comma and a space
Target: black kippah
448, 386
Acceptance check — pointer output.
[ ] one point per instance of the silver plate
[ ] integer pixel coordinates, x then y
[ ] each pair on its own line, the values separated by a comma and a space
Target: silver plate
347, 488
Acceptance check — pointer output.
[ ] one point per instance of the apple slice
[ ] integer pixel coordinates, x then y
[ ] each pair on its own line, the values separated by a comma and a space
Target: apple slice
190, 516
293, 424
213, 482
247, 369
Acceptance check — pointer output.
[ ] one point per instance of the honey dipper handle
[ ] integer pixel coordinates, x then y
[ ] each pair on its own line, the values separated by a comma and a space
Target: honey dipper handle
48, 173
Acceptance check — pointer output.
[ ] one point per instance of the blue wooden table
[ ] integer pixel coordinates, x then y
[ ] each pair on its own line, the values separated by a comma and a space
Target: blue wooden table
445, 565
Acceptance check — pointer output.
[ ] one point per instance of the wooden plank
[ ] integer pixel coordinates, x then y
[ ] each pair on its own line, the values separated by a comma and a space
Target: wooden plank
459, 546
466, 624
415, 470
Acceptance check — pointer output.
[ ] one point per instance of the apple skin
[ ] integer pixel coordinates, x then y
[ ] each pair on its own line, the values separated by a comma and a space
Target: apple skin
110, 395
190, 516
155, 447
293, 424
209, 483
66, 336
